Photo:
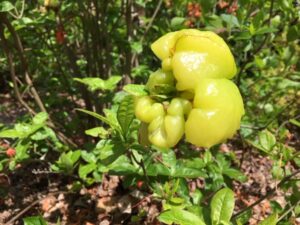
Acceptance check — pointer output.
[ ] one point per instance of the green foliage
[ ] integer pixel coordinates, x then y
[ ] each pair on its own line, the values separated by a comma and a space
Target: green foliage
6, 6
71, 62
66, 162
95, 84
26, 136
25, 130
111, 122
271, 220
222, 206
221, 209
125, 114
135, 89
97, 132
180, 216
34, 220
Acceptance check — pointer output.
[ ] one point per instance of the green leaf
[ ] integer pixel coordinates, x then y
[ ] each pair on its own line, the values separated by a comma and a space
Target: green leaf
214, 22
34, 220
252, 29
177, 22
265, 30
96, 83
137, 47
26, 130
135, 89
222, 206
97, 131
231, 20
169, 159
40, 118
243, 35
185, 172
287, 83
23, 23
256, 145
111, 115
156, 169
234, 174
295, 122
102, 118
74, 156
122, 166
243, 218
125, 114
39, 135
180, 216
277, 171
6, 6
20, 131
84, 170
196, 163
271, 220
207, 158
140, 71
110, 150
177, 200
88, 157
11, 133
66, 161
292, 34
196, 196
21, 150
267, 140
112, 82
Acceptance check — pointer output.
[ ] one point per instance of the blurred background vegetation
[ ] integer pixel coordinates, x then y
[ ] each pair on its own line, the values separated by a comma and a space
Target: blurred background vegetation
57, 47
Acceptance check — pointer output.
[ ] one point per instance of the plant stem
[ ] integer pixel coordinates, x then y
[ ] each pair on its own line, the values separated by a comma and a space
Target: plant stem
288, 211
142, 165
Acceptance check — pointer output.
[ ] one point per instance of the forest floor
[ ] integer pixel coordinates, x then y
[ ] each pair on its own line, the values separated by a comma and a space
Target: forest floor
31, 189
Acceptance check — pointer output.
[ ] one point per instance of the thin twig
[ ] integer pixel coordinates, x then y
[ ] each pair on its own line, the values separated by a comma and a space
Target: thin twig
152, 19
9, 57
258, 49
22, 212
141, 201
12, 220
23, 61
288, 211
18, 15
142, 165
149, 25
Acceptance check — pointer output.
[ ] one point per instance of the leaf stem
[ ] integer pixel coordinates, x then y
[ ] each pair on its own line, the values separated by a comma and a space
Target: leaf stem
142, 165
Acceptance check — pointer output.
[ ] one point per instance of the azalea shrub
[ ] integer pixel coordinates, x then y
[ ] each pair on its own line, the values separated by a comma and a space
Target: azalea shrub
161, 93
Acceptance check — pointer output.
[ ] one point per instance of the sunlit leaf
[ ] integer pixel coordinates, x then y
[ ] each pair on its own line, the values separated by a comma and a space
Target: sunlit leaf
271, 220
267, 140
40, 118
222, 206
34, 220
6, 6
125, 114
180, 216
84, 170
96, 83
135, 89
102, 118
